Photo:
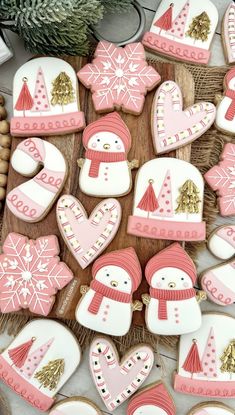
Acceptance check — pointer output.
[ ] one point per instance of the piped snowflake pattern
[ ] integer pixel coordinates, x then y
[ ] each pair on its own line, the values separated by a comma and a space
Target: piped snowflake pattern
119, 77
221, 178
31, 273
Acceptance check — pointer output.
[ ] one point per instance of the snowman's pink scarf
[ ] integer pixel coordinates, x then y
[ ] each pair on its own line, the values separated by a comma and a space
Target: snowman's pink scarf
169, 295
98, 157
102, 291
230, 114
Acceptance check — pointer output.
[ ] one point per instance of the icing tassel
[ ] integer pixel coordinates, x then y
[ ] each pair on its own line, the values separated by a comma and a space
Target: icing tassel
149, 201
19, 354
24, 101
192, 362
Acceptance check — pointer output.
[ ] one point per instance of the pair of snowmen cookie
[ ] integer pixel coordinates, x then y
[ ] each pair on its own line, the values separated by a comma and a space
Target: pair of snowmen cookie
170, 303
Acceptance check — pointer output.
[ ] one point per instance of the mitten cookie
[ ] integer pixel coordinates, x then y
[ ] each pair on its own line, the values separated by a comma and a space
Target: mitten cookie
116, 275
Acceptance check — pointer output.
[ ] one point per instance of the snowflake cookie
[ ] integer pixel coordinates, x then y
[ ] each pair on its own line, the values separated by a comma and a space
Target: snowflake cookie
119, 77
31, 273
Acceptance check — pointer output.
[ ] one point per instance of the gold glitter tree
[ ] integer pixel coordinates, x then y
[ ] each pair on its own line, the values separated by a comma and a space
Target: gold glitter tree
228, 359
199, 29
62, 90
188, 200
50, 374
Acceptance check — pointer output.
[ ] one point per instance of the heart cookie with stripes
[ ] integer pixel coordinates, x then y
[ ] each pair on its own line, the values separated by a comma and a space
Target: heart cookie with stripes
173, 127
87, 237
117, 380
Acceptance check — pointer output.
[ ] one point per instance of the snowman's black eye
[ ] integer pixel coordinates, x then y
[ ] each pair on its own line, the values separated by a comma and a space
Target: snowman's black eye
182, 279
125, 282
107, 275
163, 278
98, 139
116, 141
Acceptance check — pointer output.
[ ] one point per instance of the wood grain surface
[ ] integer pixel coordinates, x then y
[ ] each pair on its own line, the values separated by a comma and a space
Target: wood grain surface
71, 147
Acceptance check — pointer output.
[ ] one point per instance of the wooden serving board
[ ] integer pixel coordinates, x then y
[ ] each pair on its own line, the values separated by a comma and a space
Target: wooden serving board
72, 148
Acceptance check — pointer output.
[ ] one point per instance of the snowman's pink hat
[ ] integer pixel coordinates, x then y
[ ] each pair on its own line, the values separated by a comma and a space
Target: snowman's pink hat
157, 395
172, 256
123, 258
109, 123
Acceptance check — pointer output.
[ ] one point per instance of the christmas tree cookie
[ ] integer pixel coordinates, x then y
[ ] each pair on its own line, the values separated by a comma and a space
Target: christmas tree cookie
116, 275
35, 366
183, 30
206, 359
172, 300
119, 78
211, 408
45, 99
168, 201
105, 170
171, 126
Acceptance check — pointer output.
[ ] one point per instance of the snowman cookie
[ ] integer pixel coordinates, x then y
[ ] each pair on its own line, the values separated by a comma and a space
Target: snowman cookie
36, 366
105, 171
74, 406
116, 275
225, 111
228, 33
219, 283
221, 242
183, 30
154, 399
119, 78
116, 380
172, 300
211, 408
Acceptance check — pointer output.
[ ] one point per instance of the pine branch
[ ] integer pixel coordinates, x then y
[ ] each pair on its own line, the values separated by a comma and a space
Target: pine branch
116, 6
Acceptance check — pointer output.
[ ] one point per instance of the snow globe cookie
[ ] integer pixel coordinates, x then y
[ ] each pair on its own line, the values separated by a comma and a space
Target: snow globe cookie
116, 275
32, 200
221, 179
211, 408
85, 237
183, 30
74, 406
219, 283
173, 127
221, 242
35, 366
119, 78
105, 170
228, 33
45, 99
116, 380
152, 399
206, 359
31, 273
225, 110
172, 300
168, 201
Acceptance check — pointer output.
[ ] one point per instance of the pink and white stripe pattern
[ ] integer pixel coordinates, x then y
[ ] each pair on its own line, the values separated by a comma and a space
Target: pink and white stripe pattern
229, 32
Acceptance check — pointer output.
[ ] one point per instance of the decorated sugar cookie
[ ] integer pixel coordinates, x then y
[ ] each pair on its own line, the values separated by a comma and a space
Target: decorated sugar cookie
45, 99
211, 408
105, 171
116, 275
171, 126
225, 111
219, 283
87, 237
221, 242
119, 77
228, 33
36, 366
221, 178
32, 200
172, 300
31, 273
183, 30
168, 201
206, 359
116, 380
74, 406
154, 399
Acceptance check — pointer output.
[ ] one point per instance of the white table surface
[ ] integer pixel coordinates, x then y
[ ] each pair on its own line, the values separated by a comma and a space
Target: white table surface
81, 383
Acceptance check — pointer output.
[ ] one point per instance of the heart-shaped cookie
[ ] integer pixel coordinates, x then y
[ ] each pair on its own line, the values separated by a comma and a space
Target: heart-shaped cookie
171, 126
87, 237
117, 380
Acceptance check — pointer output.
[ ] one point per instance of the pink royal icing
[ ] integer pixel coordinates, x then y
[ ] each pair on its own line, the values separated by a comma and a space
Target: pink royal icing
229, 32
119, 77
216, 290
31, 274
227, 233
205, 388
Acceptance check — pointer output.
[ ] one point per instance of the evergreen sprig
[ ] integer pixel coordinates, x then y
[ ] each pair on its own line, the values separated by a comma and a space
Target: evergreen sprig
56, 27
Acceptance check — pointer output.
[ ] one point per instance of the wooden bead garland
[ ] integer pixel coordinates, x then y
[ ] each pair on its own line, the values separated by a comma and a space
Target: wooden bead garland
5, 144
